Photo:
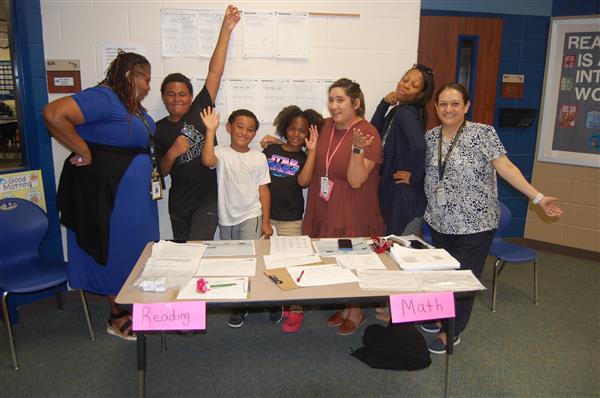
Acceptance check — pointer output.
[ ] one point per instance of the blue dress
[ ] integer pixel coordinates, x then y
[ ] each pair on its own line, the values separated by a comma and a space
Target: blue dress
134, 220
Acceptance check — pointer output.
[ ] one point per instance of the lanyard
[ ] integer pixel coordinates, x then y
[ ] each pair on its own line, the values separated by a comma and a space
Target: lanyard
328, 158
442, 165
150, 142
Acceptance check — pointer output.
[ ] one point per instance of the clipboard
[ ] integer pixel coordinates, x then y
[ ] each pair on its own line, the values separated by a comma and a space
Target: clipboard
281, 278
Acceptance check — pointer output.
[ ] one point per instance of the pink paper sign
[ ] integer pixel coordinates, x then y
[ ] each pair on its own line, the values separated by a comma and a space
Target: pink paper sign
421, 306
180, 315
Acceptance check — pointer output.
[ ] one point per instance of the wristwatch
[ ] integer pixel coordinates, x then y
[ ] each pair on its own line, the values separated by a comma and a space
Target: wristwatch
357, 150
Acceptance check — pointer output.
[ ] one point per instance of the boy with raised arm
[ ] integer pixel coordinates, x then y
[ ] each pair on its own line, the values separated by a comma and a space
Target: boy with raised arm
242, 179
179, 141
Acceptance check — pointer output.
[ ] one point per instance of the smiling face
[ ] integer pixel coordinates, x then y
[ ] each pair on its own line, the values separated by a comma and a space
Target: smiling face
296, 132
141, 78
341, 107
177, 99
451, 108
410, 87
242, 131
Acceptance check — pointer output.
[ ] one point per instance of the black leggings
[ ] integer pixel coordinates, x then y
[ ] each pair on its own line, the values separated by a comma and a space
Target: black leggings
471, 250
200, 224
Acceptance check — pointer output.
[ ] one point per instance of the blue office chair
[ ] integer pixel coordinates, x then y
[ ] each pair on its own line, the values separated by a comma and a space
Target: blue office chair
22, 269
506, 252
426, 233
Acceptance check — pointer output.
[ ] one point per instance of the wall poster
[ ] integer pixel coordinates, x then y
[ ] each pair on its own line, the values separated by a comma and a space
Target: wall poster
569, 128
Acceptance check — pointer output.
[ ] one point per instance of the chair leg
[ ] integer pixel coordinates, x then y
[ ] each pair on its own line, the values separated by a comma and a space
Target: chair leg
59, 304
535, 282
497, 268
86, 311
11, 339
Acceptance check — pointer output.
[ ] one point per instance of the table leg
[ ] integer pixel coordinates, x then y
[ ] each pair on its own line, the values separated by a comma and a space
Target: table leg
449, 350
141, 363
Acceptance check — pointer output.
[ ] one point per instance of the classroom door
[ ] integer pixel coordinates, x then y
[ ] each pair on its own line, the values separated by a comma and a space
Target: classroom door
467, 50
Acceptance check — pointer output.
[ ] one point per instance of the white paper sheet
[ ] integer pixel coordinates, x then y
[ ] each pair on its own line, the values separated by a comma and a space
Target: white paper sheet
276, 95
356, 262
423, 259
209, 26
238, 291
109, 52
227, 267
179, 31
169, 249
388, 280
308, 94
225, 248
292, 35
321, 275
290, 245
244, 94
455, 281
280, 261
259, 34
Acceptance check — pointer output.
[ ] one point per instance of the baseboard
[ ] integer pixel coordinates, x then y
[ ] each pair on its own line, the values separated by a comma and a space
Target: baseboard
557, 249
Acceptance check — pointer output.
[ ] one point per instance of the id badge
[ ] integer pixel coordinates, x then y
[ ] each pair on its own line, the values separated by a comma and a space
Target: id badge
326, 188
156, 188
440, 196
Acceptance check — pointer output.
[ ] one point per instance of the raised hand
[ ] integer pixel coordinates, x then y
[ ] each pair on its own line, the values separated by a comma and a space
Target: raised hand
231, 18
311, 141
210, 118
360, 139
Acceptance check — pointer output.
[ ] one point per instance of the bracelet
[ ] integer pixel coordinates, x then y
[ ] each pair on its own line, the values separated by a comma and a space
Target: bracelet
357, 150
537, 198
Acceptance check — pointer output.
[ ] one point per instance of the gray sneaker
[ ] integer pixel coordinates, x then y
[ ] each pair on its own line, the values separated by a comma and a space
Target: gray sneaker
430, 327
437, 346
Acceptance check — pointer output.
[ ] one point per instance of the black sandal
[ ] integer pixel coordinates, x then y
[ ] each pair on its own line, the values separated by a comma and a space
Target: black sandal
124, 331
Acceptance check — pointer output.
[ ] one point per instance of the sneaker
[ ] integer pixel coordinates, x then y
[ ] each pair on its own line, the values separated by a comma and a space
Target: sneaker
437, 346
431, 327
276, 314
293, 322
237, 318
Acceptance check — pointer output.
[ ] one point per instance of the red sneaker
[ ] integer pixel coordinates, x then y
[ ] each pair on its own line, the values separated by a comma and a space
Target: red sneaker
293, 322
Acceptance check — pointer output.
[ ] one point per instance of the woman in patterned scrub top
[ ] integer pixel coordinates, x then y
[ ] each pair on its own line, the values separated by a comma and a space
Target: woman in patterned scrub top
462, 199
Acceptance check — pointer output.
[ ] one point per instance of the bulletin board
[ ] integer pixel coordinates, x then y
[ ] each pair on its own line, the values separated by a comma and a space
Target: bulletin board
569, 127
7, 86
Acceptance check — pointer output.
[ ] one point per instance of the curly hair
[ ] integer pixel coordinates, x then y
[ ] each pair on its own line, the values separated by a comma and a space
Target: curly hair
123, 83
289, 113
352, 90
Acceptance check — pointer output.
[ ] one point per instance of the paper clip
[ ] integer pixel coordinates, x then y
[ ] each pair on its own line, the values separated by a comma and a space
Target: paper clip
275, 279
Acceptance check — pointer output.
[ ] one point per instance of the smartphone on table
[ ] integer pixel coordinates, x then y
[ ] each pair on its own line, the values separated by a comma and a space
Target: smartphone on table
345, 244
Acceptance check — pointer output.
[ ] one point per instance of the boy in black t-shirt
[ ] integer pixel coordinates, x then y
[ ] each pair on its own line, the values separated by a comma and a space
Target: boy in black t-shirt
179, 143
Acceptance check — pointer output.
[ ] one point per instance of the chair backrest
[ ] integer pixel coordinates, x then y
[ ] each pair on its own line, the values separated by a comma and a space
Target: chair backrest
426, 233
505, 217
23, 225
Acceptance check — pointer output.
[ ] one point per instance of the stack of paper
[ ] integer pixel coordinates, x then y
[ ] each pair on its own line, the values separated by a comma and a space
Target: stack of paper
224, 248
227, 267
290, 245
329, 247
281, 261
354, 261
426, 281
173, 263
423, 259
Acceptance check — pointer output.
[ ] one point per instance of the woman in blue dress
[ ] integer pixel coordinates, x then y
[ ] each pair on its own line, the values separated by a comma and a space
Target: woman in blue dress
104, 191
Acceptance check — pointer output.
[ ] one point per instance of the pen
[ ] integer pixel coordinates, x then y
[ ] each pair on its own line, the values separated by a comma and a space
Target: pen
300, 276
223, 285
